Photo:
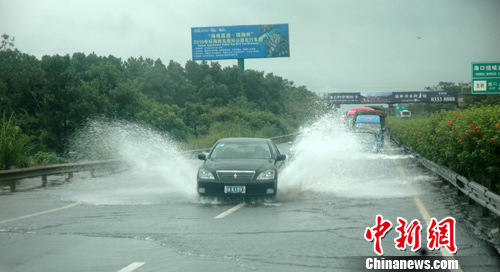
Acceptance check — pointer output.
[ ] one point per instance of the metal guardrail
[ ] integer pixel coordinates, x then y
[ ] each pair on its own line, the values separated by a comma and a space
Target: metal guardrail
474, 191
284, 138
44, 171
15, 174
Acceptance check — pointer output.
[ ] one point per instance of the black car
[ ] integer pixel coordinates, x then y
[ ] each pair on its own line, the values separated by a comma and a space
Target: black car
240, 166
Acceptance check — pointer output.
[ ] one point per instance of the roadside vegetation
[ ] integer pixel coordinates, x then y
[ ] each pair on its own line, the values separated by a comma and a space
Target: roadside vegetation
13, 145
465, 140
50, 99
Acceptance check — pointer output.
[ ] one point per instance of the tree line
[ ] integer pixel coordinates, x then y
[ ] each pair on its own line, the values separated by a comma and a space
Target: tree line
50, 98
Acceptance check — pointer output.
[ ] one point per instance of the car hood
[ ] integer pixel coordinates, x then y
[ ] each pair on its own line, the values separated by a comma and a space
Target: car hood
257, 165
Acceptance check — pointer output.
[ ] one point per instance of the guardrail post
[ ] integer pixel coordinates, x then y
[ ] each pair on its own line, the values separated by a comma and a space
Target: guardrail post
446, 182
70, 175
44, 180
12, 185
460, 184
92, 173
485, 212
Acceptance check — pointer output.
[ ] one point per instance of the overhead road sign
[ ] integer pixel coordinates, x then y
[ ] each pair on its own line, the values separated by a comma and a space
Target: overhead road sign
240, 42
393, 97
486, 78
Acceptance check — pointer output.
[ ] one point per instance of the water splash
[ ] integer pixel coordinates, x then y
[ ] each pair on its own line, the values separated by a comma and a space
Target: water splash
159, 170
329, 160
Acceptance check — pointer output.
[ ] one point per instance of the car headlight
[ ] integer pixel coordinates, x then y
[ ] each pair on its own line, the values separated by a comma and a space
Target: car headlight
205, 174
268, 174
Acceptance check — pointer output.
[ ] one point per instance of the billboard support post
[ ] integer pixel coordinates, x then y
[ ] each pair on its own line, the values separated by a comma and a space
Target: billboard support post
241, 64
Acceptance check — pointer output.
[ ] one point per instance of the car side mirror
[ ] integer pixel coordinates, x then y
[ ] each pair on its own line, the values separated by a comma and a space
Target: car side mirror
202, 157
281, 158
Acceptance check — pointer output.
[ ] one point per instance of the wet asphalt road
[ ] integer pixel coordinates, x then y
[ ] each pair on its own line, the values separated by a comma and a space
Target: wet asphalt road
313, 226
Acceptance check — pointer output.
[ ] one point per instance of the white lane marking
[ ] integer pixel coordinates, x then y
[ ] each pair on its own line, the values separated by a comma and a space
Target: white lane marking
427, 219
131, 267
425, 215
228, 212
40, 213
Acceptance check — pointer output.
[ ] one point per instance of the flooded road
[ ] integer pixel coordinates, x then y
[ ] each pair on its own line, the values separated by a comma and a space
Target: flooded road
150, 219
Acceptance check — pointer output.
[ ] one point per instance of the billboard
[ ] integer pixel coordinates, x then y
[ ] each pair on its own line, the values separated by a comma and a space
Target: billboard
240, 42
393, 97
344, 98
426, 97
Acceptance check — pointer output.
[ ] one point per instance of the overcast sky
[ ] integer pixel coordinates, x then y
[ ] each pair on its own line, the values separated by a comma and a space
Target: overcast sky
335, 46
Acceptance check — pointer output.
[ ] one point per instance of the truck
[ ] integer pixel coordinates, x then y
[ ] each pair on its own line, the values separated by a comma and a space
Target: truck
405, 114
348, 116
371, 121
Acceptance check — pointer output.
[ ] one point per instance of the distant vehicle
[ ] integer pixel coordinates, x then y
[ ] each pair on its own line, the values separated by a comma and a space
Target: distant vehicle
405, 114
399, 108
348, 116
371, 121
240, 166
293, 146
368, 141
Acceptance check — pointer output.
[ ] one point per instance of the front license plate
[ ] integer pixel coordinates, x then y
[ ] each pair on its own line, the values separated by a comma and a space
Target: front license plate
235, 189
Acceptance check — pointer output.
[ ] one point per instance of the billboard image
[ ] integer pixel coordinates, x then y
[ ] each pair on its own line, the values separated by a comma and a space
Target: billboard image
376, 97
240, 42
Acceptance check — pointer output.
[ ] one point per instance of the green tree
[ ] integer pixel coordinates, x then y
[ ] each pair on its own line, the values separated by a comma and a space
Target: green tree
13, 145
7, 42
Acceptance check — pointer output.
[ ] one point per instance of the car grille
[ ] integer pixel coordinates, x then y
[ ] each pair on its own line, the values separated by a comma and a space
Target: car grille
229, 175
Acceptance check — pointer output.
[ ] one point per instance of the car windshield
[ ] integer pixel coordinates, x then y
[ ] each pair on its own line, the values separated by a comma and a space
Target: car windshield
368, 127
241, 150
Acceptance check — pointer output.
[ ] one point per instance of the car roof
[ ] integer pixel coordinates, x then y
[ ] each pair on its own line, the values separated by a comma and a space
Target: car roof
244, 139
